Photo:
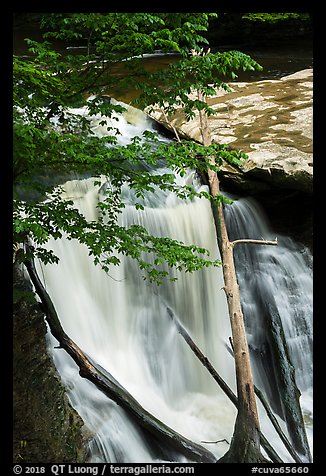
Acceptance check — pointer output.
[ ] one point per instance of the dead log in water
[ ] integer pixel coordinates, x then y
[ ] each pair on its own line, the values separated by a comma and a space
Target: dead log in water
105, 382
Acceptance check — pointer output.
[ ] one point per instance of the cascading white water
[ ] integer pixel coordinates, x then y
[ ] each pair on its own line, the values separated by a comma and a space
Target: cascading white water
282, 275
121, 321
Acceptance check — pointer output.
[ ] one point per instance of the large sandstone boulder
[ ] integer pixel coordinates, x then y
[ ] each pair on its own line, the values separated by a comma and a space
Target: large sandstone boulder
271, 121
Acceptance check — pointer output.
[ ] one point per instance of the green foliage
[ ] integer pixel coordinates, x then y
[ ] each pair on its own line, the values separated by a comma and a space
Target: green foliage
275, 17
117, 35
192, 73
23, 295
52, 141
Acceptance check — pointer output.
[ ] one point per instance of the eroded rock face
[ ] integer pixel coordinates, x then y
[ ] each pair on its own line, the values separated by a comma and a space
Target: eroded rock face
46, 429
269, 120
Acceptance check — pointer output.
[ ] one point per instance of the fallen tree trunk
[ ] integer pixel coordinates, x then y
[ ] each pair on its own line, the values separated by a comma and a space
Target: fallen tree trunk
223, 385
112, 388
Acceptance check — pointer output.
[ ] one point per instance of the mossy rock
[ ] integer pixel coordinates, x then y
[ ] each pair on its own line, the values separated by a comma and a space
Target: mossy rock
46, 429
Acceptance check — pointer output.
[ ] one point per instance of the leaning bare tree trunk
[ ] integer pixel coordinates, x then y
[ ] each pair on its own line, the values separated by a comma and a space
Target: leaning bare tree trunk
105, 382
245, 445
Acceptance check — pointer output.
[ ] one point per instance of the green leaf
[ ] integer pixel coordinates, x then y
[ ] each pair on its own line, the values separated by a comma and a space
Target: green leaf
50, 140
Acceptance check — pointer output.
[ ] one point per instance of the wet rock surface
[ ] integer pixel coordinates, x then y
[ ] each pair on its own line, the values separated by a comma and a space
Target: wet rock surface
269, 120
46, 429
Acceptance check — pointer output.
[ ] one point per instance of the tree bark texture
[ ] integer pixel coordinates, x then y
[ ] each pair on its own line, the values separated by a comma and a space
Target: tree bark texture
246, 440
245, 444
245, 387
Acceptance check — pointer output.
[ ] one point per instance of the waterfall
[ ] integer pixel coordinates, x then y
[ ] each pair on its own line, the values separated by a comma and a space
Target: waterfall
121, 321
274, 280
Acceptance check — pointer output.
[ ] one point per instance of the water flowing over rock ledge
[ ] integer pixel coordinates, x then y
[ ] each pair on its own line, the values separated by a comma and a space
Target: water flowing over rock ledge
269, 120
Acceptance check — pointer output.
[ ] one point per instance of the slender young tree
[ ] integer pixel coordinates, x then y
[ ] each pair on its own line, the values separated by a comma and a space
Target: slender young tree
245, 444
50, 138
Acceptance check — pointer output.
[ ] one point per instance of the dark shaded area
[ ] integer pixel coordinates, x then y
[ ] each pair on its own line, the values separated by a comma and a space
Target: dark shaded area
290, 212
233, 29
45, 427
280, 370
228, 31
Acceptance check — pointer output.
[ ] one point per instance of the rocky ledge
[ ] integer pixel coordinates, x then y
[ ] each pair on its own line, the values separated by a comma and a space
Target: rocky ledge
46, 429
269, 120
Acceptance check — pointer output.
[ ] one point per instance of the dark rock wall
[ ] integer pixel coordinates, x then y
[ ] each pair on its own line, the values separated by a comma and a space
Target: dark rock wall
232, 28
46, 429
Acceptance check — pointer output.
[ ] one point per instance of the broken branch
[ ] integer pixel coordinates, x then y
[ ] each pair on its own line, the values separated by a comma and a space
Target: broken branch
255, 242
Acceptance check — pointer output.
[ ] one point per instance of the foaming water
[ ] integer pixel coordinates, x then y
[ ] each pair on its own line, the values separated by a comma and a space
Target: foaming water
122, 321
282, 277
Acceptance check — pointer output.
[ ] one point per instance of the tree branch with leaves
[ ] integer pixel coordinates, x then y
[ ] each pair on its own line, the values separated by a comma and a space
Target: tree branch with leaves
51, 141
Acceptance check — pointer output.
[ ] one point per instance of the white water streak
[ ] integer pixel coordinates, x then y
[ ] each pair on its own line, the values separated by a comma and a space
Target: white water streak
121, 321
